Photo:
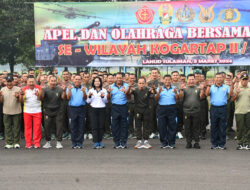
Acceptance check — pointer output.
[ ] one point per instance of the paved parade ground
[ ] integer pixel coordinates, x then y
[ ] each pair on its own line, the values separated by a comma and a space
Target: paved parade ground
125, 169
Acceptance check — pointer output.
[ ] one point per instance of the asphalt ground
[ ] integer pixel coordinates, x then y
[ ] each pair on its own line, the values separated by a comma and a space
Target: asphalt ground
109, 168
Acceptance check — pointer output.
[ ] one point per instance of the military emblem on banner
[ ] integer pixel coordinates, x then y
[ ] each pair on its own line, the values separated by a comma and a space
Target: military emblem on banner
229, 14
166, 14
145, 15
185, 14
206, 15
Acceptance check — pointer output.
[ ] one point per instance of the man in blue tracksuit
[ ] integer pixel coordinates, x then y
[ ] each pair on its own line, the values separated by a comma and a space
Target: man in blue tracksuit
167, 113
77, 112
218, 112
119, 111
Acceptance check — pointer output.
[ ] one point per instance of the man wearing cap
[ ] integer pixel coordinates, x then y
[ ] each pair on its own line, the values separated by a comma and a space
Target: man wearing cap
218, 112
10, 96
241, 96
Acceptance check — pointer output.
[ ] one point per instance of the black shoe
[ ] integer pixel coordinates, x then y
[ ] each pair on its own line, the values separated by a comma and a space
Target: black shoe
197, 146
189, 145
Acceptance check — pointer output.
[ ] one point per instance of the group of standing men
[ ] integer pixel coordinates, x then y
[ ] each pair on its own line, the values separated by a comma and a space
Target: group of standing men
101, 105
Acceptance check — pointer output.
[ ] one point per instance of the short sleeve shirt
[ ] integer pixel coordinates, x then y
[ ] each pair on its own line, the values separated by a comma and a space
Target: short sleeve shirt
242, 103
218, 95
119, 97
167, 96
11, 105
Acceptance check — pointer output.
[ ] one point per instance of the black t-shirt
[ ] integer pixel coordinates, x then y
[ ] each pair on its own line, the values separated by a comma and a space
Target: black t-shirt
52, 99
141, 99
191, 100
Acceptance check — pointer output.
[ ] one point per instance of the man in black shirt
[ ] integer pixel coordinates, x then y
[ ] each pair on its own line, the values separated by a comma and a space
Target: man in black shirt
191, 107
142, 95
52, 98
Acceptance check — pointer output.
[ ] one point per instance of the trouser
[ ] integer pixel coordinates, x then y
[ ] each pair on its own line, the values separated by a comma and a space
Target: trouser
142, 126
119, 122
179, 106
167, 124
12, 128
192, 126
203, 116
64, 110
152, 116
97, 116
77, 117
243, 128
32, 122
88, 120
131, 112
55, 121
108, 118
1, 119
230, 114
218, 116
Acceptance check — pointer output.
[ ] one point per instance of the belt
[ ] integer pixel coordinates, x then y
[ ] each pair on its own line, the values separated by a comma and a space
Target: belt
120, 104
167, 105
219, 106
77, 106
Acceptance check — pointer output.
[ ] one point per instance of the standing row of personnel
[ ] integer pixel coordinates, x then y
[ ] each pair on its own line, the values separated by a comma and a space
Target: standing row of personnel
162, 94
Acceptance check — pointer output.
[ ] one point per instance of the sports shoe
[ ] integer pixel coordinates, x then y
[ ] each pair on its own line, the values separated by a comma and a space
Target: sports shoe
106, 136
164, 146
247, 147
101, 145
152, 136
240, 147
147, 145
96, 145
117, 145
36, 147
123, 145
188, 145
197, 146
47, 145
79, 146
138, 145
74, 146
8, 146
214, 147
65, 136
85, 136
90, 136
53, 136
59, 145
179, 135
17, 146
29, 147
172, 147
222, 147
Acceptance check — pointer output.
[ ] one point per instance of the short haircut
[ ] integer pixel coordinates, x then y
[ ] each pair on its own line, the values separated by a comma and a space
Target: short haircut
31, 70
190, 75
155, 69
31, 77
219, 73
174, 72
119, 73
66, 71
167, 76
182, 75
142, 78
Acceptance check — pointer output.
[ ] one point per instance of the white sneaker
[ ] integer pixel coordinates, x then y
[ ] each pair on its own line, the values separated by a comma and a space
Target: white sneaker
47, 145
16, 146
138, 145
179, 135
85, 136
152, 136
90, 136
147, 145
8, 146
59, 145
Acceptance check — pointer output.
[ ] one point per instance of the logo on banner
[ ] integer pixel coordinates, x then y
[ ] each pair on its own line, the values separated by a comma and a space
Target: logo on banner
185, 14
166, 14
206, 15
145, 15
229, 15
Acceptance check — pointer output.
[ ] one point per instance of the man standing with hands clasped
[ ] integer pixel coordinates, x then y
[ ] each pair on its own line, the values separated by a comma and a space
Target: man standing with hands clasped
77, 111
11, 98
242, 112
218, 93
167, 112
191, 96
